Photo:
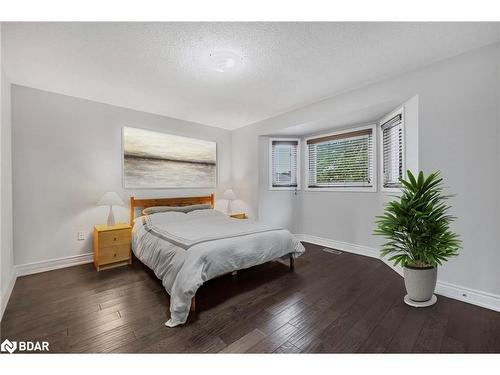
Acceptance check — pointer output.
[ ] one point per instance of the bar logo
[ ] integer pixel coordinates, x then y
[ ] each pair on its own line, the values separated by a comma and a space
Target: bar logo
24, 346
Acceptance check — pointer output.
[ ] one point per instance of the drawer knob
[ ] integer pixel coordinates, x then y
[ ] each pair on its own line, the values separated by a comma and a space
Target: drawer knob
114, 239
114, 255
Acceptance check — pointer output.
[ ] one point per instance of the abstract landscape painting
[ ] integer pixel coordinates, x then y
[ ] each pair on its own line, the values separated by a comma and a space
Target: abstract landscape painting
159, 160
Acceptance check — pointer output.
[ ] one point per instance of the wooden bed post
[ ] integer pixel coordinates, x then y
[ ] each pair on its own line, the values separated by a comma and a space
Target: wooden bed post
292, 263
212, 200
193, 304
132, 208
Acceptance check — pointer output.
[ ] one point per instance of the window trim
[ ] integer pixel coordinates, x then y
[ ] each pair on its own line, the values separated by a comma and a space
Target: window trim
381, 149
270, 164
363, 189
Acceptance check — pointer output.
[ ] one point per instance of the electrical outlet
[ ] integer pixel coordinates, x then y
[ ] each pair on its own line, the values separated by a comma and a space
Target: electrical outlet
81, 235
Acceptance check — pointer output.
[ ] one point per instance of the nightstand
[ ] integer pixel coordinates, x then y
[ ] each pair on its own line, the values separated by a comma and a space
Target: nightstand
239, 215
112, 246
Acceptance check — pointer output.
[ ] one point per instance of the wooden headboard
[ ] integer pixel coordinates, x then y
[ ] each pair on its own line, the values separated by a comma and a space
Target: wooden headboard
181, 201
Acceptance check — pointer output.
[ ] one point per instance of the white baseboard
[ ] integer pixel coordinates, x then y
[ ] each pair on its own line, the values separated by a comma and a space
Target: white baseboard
6, 295
43, 266
53, 264
476, 297
339, 245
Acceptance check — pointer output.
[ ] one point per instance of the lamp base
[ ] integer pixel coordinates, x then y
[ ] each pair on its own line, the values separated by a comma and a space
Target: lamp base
111, 217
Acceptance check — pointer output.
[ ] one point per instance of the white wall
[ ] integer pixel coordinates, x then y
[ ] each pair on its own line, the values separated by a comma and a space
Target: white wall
245, 167
6, 255
345, 216
458, 134
349, 216
289, 203
66, 154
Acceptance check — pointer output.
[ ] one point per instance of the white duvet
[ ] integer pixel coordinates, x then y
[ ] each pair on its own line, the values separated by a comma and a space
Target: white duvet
186, 249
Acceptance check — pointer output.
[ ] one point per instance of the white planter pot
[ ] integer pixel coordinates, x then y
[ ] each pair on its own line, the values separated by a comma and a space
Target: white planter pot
420, 283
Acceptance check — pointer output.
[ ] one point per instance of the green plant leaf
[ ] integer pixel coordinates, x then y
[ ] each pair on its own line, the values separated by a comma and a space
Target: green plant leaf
416, 224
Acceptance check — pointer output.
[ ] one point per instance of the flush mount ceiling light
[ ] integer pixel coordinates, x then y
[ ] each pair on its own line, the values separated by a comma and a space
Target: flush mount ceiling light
225, 61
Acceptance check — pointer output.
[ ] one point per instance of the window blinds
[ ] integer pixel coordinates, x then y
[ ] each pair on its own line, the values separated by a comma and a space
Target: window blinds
284, 163
392, 152
341, 160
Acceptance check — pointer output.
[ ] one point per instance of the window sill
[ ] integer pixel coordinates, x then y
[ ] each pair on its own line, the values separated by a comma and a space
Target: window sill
371, 189
391, 190
284, 188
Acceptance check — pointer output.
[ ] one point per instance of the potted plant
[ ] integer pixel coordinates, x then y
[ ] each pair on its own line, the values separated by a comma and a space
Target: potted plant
417, 227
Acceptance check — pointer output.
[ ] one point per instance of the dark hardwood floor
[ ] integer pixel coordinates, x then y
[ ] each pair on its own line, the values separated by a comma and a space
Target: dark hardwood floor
330, 304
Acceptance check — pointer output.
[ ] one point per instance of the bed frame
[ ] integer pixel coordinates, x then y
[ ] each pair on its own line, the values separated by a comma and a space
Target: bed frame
181, 201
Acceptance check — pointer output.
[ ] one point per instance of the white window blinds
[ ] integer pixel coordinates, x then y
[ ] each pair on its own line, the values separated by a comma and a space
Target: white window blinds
341, 160
392, 152
284, 163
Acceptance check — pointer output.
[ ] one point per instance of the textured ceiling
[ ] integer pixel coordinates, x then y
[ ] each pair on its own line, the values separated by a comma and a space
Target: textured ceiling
162, 67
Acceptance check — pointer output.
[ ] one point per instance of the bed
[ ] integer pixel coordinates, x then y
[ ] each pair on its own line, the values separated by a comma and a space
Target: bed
186, 249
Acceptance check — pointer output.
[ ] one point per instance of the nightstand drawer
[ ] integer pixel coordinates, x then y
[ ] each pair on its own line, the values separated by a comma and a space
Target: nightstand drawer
114, 237
112, 246
114, 253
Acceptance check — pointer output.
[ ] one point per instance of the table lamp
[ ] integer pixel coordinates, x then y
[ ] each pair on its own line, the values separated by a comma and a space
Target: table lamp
229, 196
110, 199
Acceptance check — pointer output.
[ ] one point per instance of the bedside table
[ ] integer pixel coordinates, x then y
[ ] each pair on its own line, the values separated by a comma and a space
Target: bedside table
112, 246
239, 215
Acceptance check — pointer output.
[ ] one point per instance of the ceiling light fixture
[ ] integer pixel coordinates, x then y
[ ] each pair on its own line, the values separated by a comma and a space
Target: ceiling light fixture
225, 61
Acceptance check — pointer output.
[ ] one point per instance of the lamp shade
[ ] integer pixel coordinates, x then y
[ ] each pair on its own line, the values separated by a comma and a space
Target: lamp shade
229, 195
110, 198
